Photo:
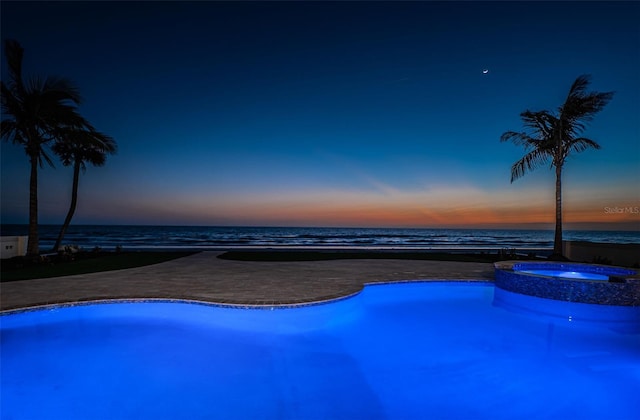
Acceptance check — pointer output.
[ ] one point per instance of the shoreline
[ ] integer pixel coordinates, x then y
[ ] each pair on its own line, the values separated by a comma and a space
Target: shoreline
322, 248
222, 238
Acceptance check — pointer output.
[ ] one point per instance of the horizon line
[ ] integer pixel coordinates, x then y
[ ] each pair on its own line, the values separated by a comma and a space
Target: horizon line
577, 226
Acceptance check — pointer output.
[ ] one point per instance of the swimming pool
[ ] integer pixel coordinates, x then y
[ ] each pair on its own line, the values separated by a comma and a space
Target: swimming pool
408, 350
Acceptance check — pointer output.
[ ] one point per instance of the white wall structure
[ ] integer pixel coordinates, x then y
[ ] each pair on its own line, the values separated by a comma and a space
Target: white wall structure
13, 246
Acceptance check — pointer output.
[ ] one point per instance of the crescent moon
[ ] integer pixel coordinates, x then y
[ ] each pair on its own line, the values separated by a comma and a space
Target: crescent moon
485, 71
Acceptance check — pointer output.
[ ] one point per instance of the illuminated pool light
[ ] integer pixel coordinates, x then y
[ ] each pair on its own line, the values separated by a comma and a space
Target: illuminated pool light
568, 274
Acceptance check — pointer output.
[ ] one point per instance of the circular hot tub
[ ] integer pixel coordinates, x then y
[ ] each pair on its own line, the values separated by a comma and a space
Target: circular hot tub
572, 291
570, 282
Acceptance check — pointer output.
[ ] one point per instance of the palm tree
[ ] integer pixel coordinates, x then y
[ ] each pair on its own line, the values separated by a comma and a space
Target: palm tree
35, 108
81, 145
551, 137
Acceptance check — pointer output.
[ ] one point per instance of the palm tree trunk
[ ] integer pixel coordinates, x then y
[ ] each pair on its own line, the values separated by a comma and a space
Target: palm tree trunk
33, 246
557, 240
72, 207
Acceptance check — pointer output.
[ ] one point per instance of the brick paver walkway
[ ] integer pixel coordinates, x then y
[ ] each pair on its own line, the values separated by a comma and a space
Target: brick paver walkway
203, 277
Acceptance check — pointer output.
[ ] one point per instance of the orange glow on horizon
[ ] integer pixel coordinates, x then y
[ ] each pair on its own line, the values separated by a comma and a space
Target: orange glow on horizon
374, 213
445, 206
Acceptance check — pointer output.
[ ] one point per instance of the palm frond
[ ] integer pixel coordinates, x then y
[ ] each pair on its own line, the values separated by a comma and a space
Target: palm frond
585, 107
55, 89
80, 145
581, 106
9, 100
62, 89
61, 116
540, 127
529, 162
581, 144
14, 53
580, 85
7, 129
518, 138
44, 157
539, 122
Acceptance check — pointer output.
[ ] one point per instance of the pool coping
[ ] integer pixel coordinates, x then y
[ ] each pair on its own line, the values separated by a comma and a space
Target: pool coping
203, 277
60, 305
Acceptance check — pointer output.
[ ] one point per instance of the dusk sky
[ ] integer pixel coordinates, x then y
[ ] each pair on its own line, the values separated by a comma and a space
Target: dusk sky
331, 114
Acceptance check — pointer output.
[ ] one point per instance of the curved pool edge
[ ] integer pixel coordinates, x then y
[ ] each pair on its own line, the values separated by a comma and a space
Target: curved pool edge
257, 306
195, 298
228, 303
334, 311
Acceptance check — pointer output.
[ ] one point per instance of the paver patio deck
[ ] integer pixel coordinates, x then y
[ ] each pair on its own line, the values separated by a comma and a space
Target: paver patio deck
204, 277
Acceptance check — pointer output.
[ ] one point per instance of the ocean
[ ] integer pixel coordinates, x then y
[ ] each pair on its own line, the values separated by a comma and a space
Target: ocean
109, 237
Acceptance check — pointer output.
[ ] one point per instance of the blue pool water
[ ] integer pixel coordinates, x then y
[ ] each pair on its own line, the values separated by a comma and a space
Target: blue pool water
567, 274
400, 351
